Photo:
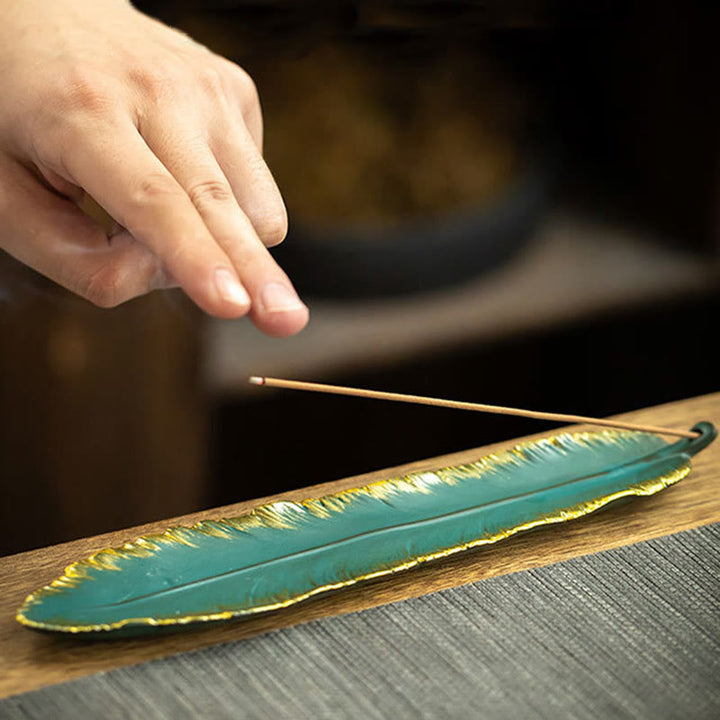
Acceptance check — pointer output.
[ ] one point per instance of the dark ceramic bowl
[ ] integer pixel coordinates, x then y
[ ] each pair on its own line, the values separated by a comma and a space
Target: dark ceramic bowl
356, 261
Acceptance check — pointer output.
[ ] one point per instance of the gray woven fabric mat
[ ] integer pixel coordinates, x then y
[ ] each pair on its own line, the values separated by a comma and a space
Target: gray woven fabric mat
626, 633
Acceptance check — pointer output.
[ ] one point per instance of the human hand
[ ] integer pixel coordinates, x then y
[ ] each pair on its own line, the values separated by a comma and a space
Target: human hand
164, 135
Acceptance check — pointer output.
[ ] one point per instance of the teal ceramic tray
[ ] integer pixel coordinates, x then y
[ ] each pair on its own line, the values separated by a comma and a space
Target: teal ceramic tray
283, 553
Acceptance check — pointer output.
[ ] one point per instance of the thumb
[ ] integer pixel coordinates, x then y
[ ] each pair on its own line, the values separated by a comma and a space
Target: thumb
56, 238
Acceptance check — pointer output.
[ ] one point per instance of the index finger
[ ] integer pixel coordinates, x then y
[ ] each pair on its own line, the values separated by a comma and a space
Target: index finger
125, 177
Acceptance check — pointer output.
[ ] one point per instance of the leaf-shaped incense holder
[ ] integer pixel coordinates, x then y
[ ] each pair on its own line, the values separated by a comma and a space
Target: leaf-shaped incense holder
283, 553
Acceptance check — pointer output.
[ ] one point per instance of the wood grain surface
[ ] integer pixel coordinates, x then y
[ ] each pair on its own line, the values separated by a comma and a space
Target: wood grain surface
30, 660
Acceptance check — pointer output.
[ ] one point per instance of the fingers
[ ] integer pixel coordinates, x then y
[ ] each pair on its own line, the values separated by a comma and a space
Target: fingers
199, 209
53, 236
195, 190
118, 169
252, 183
247, 99
276, 308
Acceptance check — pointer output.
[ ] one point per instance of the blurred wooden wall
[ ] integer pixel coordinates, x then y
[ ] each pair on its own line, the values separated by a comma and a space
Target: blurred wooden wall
102, 422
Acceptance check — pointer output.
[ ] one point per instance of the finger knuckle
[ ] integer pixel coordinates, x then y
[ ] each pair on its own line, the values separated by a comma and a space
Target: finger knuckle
209, 192
152, 192
80, 91
247, 88
156, 82
211, 81
78, 103
74, 102
153, 188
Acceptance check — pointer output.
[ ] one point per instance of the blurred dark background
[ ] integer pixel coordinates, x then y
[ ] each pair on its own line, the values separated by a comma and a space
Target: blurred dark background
506, 202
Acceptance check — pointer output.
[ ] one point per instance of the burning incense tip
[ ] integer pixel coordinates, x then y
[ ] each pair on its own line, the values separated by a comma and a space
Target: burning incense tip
255, 380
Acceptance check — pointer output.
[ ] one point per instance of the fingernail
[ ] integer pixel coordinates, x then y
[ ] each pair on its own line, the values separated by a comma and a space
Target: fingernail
230, 289
277, 297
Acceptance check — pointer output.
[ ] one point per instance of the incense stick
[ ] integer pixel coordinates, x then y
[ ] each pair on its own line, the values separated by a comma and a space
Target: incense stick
460, 405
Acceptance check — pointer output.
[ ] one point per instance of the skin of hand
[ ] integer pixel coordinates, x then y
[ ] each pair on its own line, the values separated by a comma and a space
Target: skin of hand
100, 100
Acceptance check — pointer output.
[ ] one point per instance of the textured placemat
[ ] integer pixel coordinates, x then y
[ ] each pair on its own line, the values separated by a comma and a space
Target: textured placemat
627, 633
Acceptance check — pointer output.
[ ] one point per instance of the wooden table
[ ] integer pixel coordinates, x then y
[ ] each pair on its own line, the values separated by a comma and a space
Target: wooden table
29, 660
